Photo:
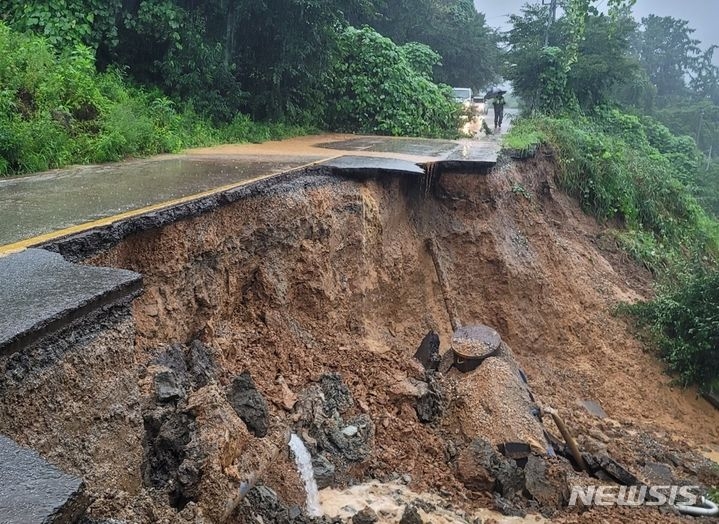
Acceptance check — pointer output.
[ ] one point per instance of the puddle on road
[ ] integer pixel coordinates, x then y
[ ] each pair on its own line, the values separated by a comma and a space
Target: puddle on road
406, 146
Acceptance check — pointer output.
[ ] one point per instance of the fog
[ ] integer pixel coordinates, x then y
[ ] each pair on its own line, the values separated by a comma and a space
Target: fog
702, 14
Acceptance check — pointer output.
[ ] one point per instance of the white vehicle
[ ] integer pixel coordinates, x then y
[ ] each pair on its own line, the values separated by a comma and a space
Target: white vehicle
462, 95
480, 105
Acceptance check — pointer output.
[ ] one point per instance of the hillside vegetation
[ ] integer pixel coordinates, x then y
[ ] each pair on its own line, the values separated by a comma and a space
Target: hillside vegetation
598, 99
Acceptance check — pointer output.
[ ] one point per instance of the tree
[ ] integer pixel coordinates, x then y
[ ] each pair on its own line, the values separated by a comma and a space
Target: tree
375, 88
585, 59
453, 28
705, 76
666, 49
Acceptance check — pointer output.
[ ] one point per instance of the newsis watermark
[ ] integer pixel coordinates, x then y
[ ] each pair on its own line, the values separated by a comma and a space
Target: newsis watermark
635, 496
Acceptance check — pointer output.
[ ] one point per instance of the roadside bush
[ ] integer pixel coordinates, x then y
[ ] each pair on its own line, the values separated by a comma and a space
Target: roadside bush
56, 109
374, 88
684, 323
609, 163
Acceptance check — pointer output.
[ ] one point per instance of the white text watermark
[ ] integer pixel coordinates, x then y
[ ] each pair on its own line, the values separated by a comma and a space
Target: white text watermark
634, 495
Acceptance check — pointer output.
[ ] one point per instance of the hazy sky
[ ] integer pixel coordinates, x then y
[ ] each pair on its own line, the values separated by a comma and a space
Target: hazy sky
702, 14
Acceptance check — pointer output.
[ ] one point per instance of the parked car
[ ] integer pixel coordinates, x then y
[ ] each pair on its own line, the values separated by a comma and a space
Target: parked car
480, 105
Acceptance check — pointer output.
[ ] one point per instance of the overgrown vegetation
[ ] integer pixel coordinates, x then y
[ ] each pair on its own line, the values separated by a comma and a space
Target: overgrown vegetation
591, 88
56, 109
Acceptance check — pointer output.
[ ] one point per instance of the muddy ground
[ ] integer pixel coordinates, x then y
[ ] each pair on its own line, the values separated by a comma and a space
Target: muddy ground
300, 309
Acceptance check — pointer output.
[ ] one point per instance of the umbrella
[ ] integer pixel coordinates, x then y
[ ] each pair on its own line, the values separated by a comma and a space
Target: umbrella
494, 93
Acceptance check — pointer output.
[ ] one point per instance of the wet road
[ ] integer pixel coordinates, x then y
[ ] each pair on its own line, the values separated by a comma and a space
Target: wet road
35, 209
60, 199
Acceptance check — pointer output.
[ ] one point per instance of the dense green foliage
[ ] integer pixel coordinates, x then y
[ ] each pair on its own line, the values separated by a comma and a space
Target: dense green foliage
684, 320
453, 28
57, 110
598, 97
381, 88
632, 172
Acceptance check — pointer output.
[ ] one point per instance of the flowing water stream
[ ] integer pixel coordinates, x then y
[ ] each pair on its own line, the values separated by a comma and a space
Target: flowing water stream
303, 459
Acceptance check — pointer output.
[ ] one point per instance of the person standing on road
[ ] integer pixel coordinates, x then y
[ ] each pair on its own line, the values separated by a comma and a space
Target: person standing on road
498, 111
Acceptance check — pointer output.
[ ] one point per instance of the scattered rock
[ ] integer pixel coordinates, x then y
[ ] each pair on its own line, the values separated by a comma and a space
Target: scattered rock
516, 450
366, 516
604, 466
474, 466
324, 471
548, 492
249, 404
294, 512
658, 474
173, 358
446, 362
428, 352
430, 406
598, 435
167, 387
593, 408
350, 431
409, 387
507, 508
410, 516
289, 399
337, 395
203, 368
167, 434
354, 448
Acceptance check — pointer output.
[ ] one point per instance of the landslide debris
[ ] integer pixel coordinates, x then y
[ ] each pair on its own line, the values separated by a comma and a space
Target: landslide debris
320, 293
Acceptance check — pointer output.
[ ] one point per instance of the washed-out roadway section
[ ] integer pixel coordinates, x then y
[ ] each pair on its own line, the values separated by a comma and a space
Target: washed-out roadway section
76, 211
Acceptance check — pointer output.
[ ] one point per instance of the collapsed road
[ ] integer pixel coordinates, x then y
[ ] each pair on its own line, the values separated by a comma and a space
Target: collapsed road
396, 305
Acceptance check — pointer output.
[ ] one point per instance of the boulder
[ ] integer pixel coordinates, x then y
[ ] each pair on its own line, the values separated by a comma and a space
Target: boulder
324, 471
410, 516
481, 468
168, 387
428, 352
366, 516
249, 404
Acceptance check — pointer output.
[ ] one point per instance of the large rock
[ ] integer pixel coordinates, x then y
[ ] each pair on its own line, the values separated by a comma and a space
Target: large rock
168, 387
337, 395
546, 483
430, 406
366, 516
428, 352
324, 471
249, 404
168, 431
481, 468
410, 516
202, 366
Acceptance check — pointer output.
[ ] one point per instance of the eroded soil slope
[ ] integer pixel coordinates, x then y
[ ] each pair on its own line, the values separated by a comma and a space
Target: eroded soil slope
327, 275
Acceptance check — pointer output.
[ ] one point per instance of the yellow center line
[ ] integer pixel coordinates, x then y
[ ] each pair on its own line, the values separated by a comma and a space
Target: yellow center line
21, 245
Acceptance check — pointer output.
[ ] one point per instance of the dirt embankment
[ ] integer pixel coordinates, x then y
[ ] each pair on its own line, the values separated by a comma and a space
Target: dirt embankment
323, 276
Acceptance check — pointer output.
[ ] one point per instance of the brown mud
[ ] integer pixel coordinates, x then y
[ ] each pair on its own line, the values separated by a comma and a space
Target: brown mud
329, 275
